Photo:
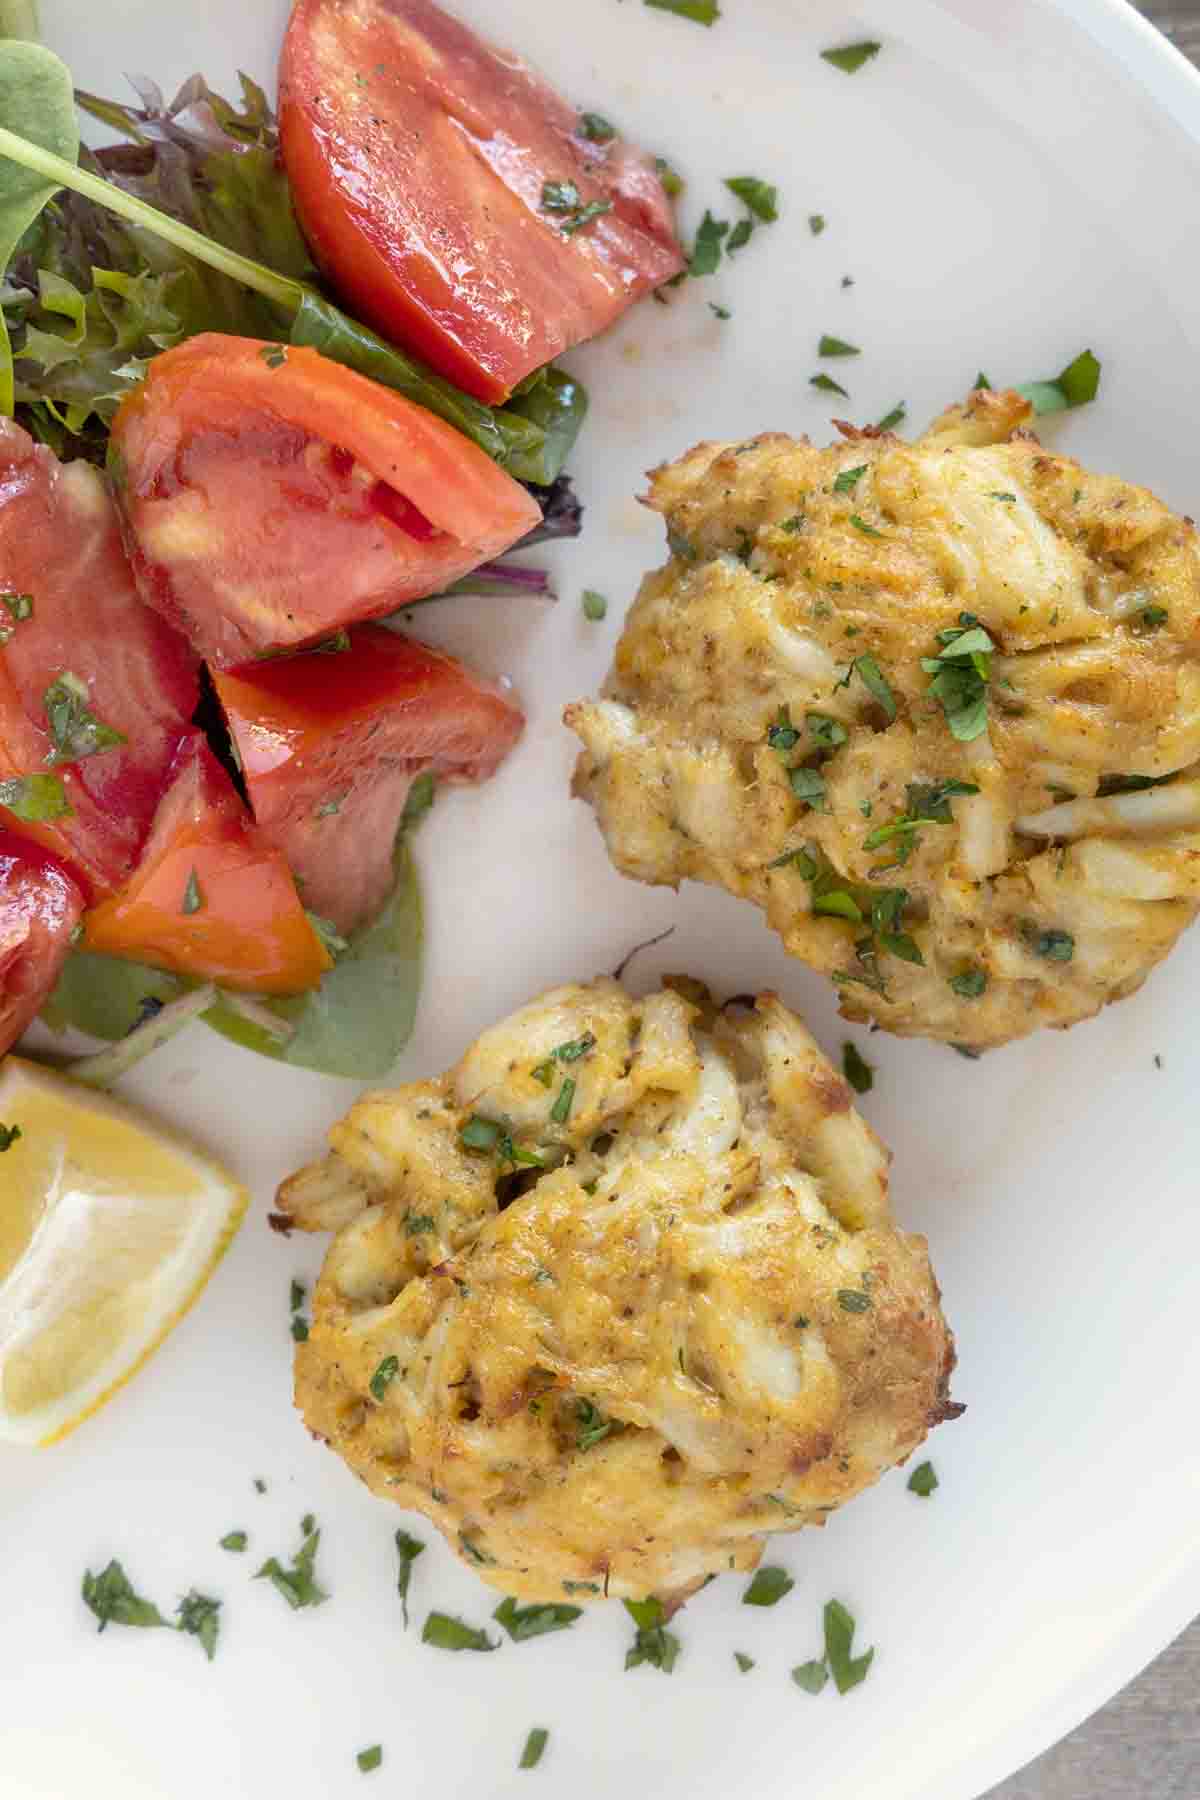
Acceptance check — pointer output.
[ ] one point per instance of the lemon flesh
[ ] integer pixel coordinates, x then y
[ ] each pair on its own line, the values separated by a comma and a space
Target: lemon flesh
109, 1229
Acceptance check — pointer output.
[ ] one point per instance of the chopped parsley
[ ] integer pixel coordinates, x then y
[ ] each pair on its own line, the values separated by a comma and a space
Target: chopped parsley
670, 177
1055, 946
896, 417
563, 199
928, 804
481, 1134
848, 480
19, 606
8, 1136
652, 1642
35, 798
535, 1746
745, 1663
961, 672
111, 1598
706, 251
560, 1112
808, 785
847, 1670
923, 1480
1122, 784
701, 12
981, 381
193, 899
524, 1622
407, 1549
835, 346
783, 736
1078, 384
593, 1425
369, 1758
1009, 499
1152, 618
446, 1633
274, 355
857, 1070
860, 524
199, 1615
298, 1584
740, 236
830, 733
811, 1676
828, 385
596, 128
853, 1300
384, 1376
760, 197
872, 676
850, 58
332, 941
816, 223
969, 983
768, 1587
234, 1540
75, 731
719, 312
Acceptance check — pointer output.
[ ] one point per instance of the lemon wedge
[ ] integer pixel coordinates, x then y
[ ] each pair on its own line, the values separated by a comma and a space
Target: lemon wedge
109, 1229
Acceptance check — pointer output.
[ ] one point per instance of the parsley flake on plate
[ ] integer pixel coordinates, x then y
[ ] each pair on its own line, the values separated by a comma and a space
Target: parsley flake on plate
595, 606
836, 346
896, 417
923, 1480
847, 1670
811, 1676
524, 1622
200, 1616
745, 1663
535, 1748
297, 1584
652, 1643
701, 12
234, 1540
407, 1549
768, 1587
850, 58
706, 251
1077, 385
370, 1758
110, 1596
827, 385
446, 1633
858, 1072
816, 223
760, 197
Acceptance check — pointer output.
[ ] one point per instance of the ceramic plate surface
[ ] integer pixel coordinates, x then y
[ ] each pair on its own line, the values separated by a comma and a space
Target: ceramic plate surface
1006, 184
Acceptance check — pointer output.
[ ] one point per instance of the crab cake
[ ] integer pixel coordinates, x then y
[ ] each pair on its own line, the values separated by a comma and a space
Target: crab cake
619, 1296
934, 707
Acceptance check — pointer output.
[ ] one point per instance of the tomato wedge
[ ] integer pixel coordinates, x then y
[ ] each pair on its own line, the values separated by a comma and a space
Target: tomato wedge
39, 910
210, 896
330, 745
72, 622
421, 161
272, 497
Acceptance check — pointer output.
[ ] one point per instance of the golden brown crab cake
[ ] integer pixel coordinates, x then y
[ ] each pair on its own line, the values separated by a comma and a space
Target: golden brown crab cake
934, 707
619, 1296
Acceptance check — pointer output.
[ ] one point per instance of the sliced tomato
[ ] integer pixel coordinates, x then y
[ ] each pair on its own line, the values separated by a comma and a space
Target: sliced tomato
330, 745
69, 609
39, 910
272, 496
210, 896
420, 160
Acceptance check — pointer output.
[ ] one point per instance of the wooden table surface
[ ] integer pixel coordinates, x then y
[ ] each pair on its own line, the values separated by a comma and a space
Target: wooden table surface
1145, 1744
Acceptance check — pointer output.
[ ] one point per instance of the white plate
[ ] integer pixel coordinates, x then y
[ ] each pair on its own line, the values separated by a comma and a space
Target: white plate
1006, 184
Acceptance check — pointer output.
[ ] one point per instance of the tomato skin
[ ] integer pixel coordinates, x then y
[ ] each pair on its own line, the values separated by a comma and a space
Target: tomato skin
330, 745
60, 543
417, 155
40, 907
249, 930
272, 497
